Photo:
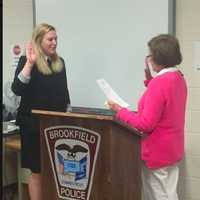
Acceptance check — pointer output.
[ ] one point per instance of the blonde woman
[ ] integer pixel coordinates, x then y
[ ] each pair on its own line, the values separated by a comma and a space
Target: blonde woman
40, 80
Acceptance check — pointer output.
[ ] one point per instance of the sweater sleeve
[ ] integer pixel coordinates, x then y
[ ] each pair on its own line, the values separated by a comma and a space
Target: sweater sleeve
66, 85
147, 119
18, 85
146, 82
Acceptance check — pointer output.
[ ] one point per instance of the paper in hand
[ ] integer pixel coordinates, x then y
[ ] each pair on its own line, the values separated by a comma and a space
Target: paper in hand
110, 93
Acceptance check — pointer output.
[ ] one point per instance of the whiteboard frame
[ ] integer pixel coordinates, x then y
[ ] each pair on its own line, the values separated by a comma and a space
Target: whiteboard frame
133, 98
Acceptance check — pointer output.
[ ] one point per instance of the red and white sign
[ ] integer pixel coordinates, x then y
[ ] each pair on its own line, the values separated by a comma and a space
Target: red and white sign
16, 52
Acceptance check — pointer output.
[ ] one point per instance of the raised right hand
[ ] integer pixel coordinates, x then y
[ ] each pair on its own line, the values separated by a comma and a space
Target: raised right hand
30, 54
147, 70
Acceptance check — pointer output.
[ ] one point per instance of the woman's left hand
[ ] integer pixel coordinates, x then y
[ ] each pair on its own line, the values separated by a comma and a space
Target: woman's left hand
114, 106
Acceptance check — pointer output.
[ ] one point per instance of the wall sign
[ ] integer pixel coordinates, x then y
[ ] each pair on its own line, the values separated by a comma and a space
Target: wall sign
16, 52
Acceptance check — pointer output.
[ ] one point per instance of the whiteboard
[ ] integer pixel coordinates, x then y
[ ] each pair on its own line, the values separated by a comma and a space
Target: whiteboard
105, 39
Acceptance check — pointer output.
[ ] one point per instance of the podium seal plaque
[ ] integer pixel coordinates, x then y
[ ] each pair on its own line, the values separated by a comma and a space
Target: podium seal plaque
73, 152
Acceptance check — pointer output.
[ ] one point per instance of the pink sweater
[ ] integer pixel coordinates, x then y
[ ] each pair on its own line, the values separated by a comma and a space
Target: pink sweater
161, 115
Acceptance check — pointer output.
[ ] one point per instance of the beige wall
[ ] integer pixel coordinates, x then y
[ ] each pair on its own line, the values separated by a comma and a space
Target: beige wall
188, 31
17, 28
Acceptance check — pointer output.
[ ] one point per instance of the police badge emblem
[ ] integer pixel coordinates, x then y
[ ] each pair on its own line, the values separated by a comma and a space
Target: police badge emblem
73, 152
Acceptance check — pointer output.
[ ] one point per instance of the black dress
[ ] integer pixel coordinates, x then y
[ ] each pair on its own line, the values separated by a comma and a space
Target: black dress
44, 92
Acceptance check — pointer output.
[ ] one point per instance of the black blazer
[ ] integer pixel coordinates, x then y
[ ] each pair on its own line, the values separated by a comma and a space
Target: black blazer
45, 92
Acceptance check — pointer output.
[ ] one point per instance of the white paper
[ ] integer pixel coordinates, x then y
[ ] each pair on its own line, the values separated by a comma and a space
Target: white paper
110, 93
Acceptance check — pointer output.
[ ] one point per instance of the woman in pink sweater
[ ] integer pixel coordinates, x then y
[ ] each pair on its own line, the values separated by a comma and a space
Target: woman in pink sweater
161, 117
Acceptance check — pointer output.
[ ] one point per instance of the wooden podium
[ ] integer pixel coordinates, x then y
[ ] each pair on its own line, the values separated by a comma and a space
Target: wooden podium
88, 157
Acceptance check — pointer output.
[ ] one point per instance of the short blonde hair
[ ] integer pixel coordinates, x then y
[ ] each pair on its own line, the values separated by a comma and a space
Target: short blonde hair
37, 37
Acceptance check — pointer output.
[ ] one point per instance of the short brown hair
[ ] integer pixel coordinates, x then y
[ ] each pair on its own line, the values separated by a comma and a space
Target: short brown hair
165, 50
